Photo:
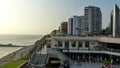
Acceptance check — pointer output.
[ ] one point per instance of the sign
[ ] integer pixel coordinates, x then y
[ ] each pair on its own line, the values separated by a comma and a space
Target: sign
65, 50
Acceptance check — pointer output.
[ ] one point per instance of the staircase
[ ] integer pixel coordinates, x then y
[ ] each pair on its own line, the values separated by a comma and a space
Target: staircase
38, 61
59, 54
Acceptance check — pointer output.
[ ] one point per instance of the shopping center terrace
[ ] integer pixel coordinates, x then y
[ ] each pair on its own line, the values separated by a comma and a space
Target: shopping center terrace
88, 44
87, 38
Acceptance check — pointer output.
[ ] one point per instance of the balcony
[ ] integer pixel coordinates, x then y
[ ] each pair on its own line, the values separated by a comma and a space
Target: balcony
104, 51
87, 38
67, 37
109, 40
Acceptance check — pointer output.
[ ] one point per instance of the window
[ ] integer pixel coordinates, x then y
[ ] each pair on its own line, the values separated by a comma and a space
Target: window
67, 44
59, 43
73, 44
87, 44
79, 44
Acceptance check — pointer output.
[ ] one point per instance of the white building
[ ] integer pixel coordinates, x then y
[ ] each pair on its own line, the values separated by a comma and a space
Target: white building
75, 25
93, 19
81, 28
115, 21
92, 48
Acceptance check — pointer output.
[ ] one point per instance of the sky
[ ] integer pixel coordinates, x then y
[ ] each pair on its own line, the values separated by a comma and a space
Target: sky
42, 16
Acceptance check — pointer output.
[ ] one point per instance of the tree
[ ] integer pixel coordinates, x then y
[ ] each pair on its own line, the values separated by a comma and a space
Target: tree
103, 32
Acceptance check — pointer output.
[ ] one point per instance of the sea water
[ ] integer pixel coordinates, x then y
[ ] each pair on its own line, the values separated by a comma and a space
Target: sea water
24, 40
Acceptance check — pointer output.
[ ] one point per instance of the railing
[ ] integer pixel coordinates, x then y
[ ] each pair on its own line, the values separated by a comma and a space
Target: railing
73, 36
103, 49
93, 49
47, 59
76, 35
98, 50
112, 50
59, 53
94, 38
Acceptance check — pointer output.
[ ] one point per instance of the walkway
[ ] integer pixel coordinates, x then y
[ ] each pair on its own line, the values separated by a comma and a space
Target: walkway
88, 65
39, 59
85, 65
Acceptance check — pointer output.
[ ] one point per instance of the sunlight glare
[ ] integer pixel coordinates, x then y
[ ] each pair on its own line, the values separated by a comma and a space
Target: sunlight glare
4, 10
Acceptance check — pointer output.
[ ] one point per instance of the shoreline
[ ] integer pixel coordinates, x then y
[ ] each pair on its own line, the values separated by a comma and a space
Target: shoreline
16, 54
10, 45
25, 50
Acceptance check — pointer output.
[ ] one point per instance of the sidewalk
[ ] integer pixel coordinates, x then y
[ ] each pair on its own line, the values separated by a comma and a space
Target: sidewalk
88, 65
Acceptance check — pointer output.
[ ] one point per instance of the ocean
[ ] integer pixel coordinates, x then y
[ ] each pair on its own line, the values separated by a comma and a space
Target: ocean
22, 40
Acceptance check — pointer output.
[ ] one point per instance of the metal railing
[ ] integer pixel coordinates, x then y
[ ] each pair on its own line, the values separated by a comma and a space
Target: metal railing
111, 50
58, 53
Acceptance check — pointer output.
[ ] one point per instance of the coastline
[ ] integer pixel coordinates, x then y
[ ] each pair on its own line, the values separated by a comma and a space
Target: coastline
16, 54
25, 50
10, 45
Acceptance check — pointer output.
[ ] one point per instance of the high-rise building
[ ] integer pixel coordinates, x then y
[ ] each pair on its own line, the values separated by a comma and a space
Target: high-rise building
81, 22
76, 25
115, 21
92, 19
64, 27
108, 29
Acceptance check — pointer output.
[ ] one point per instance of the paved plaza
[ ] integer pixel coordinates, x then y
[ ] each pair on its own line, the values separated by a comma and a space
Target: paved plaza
88, 65
85, 65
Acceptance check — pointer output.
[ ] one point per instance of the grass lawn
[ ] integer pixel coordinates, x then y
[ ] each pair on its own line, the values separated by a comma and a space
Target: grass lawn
12, 64
17, 63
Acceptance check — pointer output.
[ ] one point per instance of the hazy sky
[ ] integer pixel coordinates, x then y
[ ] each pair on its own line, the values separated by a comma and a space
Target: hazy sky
43, 16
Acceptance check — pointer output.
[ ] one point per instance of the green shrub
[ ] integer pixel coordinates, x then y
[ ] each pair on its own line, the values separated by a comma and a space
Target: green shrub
25, 57
106, 62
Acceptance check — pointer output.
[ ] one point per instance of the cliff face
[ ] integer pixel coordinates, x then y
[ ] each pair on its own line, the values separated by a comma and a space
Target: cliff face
42, 41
